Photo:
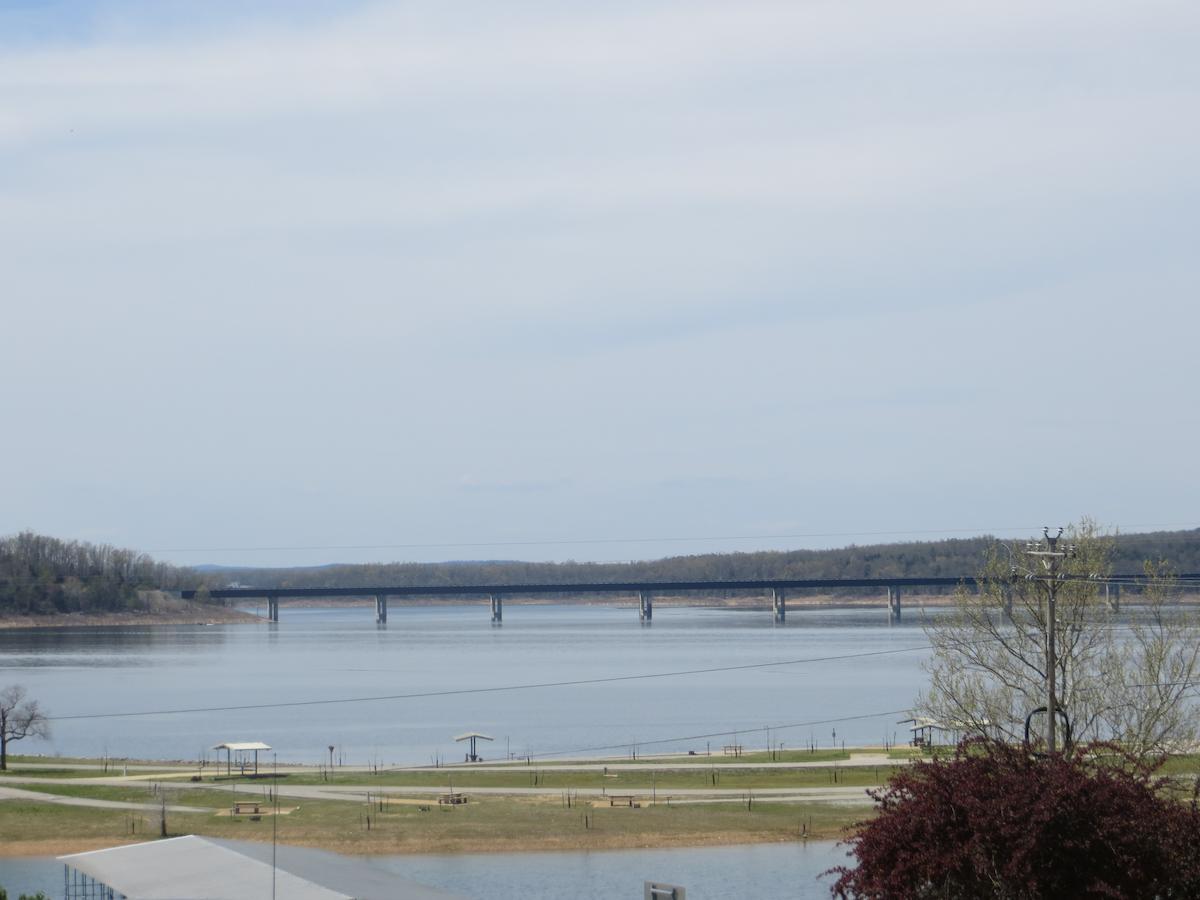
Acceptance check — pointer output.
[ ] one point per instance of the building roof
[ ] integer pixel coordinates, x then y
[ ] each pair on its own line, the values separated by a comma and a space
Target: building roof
242, 745
192, 868
195, 868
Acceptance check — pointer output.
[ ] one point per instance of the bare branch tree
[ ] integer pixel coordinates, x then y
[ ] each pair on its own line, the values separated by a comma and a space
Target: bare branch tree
19, 718
1120, 677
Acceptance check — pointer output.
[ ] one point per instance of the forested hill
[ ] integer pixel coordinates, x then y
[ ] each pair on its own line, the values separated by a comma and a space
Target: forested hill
928, 558
45, 575
42, 575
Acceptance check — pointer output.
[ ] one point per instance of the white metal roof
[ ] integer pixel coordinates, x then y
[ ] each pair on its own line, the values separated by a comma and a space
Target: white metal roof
474, 734
192, 868
242, 745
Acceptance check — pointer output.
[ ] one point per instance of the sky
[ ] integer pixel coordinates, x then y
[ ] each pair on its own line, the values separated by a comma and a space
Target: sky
320, 282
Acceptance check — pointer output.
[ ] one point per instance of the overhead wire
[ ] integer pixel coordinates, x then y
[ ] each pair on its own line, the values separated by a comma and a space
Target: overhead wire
453, 692
812, 723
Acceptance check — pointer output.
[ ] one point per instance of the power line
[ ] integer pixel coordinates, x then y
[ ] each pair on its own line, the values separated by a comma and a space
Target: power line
489, 690
768, 728
713, 734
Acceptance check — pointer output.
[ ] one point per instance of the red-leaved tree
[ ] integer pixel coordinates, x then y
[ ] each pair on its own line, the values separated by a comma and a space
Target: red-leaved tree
996, 821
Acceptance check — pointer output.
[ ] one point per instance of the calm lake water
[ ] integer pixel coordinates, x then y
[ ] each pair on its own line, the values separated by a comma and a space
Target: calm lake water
456, 655
762, 871
454, 652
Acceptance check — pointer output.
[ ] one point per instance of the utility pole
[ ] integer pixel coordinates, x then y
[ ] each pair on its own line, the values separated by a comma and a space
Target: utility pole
1051, 557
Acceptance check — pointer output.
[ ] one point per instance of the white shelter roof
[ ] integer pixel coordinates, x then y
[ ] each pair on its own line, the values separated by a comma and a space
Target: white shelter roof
473, 734
189, 868
242, 745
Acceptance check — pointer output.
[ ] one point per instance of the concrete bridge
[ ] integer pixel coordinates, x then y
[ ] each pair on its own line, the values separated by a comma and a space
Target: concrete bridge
776, 589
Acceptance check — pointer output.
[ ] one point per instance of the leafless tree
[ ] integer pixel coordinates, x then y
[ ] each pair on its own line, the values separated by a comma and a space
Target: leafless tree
19, 718
1123, 678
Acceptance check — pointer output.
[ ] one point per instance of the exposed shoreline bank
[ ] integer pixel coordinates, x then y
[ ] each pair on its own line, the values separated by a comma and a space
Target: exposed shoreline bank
187, 614
208, 614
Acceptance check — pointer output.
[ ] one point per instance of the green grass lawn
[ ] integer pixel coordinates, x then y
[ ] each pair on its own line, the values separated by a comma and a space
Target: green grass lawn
617, 780
717, 758
489, 823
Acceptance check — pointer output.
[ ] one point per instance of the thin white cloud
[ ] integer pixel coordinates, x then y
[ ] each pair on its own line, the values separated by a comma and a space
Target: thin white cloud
391, 55
624, 245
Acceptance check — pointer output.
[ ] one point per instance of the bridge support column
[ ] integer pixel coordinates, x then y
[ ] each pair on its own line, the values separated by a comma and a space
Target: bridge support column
1008, 603
1112, 593
273, 609
645, 608
497, 609
894, 604
778, 605
381, 609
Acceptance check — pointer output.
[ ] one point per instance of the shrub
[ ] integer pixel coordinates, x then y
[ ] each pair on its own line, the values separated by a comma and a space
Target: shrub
996, 821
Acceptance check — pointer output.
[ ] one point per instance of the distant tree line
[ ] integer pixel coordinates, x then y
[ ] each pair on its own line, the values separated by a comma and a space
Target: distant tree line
946, 558
42, 575
46, 575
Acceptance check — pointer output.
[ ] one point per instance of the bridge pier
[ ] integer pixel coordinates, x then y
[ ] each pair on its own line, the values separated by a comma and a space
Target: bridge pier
381, 609
1112, 593
894, 604
273, 609
645, 608
778, 605
497, 609
1008, 603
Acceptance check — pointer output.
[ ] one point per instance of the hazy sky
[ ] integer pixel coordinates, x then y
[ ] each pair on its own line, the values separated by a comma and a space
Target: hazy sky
475, 274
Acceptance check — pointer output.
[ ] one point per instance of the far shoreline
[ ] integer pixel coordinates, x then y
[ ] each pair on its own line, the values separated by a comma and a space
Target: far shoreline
187, 613
198, 615
209, 614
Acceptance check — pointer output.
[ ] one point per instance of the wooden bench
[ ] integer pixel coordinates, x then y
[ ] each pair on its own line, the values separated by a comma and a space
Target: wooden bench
241, 808
455, 799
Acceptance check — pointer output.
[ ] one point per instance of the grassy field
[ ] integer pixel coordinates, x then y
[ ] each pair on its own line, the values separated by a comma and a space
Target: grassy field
615, 781
488, 822
716, 759
556, 819
17, 774
483, 824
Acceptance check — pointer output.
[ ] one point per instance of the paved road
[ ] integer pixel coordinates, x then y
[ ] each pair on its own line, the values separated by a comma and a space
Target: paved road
358, 793
11, 793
